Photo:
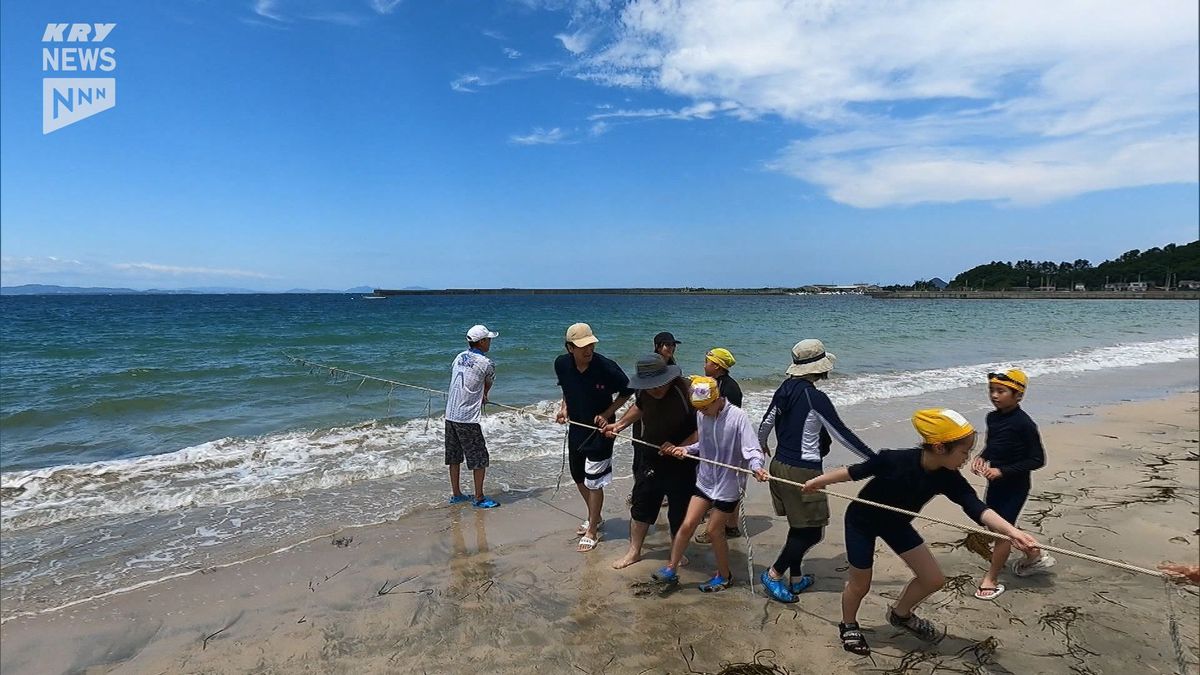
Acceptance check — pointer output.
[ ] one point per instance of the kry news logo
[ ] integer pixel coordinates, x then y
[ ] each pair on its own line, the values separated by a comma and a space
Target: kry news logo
66, 100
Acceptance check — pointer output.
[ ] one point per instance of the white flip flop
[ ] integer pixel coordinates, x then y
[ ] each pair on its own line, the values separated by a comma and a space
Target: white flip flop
992, 593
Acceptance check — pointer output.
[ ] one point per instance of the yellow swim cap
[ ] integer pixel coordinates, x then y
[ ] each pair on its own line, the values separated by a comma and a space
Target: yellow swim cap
941, 425
1013, 379
704, 391
721, 356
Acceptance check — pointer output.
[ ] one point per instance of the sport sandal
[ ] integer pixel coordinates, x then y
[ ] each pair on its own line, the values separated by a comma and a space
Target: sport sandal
922, 628
853, 639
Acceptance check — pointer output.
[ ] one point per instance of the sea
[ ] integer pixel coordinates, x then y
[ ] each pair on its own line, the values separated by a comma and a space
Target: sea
143, 436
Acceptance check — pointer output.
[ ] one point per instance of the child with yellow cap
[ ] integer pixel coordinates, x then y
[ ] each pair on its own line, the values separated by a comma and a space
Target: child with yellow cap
717, 362
908, 479
726, 436
1012, 451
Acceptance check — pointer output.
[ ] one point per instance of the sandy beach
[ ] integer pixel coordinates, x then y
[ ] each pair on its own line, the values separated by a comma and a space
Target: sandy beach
458, 590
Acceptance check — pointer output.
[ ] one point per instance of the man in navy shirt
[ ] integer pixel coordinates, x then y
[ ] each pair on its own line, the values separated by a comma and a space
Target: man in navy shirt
593, 387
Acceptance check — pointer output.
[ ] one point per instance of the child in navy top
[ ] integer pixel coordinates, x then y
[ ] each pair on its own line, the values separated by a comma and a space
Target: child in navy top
1012, 451
908, 479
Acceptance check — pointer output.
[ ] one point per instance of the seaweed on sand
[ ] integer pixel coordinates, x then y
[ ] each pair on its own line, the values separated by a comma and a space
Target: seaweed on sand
762, 663
979, 544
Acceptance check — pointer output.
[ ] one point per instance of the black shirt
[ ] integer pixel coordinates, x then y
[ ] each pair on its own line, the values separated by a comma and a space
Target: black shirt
900, 481
591, 392
1014, 446
730, 389
667, 419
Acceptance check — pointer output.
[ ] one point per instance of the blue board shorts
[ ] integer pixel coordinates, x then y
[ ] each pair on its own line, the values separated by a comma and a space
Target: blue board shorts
860, 541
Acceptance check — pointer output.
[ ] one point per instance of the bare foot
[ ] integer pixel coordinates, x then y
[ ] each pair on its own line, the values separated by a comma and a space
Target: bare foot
626, 560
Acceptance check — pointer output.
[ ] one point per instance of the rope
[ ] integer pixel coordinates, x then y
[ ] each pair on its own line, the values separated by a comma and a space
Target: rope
749, 544
966, 528
1173, 629
562, 467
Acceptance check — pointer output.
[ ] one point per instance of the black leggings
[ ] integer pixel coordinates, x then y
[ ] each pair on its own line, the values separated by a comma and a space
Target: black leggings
799, 540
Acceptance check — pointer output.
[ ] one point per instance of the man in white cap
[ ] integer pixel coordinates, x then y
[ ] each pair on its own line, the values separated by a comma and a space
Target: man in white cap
594, 388
471, 379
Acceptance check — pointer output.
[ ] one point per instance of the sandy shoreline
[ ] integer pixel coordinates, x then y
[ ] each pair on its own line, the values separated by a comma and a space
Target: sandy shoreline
458, 590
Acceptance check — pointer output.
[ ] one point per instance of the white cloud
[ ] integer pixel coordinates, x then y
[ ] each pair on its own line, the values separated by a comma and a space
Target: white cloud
473, 82
467, 84
324, 11
15, 270
174, 270
384, 6
268, 9
539, 136
578, 41
932, 100
701, 110
511, 53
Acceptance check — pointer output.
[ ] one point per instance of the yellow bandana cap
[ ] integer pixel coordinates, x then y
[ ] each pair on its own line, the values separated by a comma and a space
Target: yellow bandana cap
1013, 379
721, 356
704, 391
941, 425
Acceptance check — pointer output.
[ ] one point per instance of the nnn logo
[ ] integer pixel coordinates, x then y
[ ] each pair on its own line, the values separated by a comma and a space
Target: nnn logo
66, 100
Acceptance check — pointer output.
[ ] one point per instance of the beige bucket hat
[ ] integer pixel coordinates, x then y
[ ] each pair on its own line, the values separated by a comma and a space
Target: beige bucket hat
809, 357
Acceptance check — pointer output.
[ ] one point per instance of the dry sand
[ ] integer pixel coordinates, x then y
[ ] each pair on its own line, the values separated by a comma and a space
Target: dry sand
503, 591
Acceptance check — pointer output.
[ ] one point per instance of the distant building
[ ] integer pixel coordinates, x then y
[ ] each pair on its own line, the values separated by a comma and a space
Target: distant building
1116, 286
1080, 287
840, 289
1139, 286
1047, 288
1188, 284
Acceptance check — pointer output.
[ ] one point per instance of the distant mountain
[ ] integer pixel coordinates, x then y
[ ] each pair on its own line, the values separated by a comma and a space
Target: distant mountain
49, 289
43, 289
207, 290
938, 283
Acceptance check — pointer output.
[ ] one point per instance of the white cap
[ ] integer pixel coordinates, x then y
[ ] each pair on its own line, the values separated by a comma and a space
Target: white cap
480, 332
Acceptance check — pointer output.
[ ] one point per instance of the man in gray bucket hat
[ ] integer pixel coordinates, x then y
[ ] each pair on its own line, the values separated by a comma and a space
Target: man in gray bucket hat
663, 406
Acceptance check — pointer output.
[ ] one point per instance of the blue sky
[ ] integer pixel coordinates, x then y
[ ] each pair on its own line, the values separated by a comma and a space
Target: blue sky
274, 144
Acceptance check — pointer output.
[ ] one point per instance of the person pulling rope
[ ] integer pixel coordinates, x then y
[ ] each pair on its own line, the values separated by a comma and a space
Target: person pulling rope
959, 526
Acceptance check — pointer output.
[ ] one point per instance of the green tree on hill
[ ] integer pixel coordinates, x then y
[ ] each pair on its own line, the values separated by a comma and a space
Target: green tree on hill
1153, 265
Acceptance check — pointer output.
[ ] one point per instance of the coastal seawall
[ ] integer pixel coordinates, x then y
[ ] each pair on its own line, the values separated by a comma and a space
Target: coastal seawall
587, 291
1035, 295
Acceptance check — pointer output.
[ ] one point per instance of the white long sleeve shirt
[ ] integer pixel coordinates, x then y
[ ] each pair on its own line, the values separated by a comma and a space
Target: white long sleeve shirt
728, 438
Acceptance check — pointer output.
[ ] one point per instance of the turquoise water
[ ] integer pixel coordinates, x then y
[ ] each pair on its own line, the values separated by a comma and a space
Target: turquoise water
140, 432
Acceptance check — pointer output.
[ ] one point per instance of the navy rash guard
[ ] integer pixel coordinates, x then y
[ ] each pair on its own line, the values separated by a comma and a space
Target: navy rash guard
899, 480
1013, 446
804, 420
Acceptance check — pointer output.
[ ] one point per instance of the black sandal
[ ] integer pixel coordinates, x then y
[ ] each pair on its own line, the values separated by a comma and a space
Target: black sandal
853, 640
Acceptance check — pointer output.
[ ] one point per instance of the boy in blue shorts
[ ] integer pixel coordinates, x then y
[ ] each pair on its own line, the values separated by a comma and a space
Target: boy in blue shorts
908, 479
1013, 451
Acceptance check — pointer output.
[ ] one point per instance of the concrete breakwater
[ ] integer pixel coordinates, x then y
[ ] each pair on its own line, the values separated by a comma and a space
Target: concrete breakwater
1036, 295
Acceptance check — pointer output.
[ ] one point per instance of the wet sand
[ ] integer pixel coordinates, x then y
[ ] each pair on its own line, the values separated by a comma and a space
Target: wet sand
503, 591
